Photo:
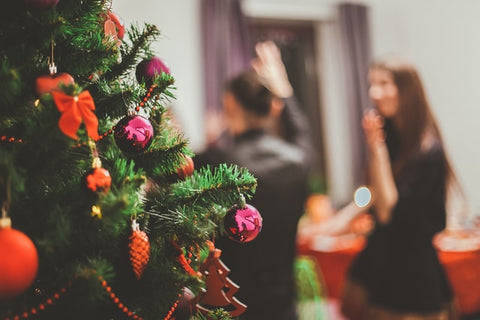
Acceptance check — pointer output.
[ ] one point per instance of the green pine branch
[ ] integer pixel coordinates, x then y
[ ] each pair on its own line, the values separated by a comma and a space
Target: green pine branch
141, 39
81, 235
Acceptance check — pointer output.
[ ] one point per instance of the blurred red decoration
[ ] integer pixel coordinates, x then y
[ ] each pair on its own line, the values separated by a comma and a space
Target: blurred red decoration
113, 28
186, 169
119, 24
49, 83
98, 180
18, 263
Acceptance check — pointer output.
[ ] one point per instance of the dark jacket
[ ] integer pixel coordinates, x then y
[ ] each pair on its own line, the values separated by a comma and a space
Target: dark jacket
263, 268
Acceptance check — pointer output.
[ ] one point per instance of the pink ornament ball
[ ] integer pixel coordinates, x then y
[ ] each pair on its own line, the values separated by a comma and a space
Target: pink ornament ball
133, 134
40, 4
149, 69
243, 225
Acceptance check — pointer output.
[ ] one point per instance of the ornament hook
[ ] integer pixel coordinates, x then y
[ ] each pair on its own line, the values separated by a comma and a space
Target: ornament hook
5, 221
51, 62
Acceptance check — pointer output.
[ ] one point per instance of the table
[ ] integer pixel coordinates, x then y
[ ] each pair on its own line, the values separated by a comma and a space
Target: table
459, 253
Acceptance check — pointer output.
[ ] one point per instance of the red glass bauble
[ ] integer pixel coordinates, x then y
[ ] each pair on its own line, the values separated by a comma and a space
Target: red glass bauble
48, 83
133, 134
40, 4
149, 69
18, 262
98, 180
186, 169
244, 224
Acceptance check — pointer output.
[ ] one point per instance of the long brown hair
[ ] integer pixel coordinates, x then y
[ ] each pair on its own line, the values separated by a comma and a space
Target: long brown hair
414, 124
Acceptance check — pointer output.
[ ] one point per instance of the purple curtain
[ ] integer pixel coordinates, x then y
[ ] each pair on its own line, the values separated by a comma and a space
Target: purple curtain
355, 38
226, 46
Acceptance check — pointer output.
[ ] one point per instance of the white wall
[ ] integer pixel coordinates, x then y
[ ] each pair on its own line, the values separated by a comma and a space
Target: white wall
442, 37
180, 48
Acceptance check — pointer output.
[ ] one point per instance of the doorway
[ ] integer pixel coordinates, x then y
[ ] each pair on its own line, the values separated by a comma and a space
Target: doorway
296, 41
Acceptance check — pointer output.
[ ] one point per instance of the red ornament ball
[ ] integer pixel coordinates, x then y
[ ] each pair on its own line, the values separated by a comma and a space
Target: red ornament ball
149, 69
40, 4
133, 134
244, 224
98, 180
186, 169
49, 83
18, 263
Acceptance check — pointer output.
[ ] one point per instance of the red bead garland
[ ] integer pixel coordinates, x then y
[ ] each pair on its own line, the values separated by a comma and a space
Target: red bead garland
4, 138
172, 309
183, 261
127, 311
115, 300
41, 306
108, 289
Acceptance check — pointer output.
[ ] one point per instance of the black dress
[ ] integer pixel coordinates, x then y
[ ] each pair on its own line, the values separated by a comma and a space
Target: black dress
263, 268
399, 266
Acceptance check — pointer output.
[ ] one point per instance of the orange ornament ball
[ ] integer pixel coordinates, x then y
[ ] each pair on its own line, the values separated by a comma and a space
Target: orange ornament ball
19, 262
98, 180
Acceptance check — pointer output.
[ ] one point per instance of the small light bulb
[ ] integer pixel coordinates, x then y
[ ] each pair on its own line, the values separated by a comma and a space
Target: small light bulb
362, 197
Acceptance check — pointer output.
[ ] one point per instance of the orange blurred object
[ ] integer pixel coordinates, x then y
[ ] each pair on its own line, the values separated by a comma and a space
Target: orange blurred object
459, 253
318, 207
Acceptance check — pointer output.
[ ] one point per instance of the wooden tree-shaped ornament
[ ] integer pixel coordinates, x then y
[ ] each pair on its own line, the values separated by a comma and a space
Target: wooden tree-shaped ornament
220, 290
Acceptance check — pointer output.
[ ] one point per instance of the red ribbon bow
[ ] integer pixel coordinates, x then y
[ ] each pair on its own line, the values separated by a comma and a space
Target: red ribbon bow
75, 110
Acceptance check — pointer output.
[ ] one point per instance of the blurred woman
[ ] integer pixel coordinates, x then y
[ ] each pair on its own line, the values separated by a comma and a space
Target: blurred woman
398, 275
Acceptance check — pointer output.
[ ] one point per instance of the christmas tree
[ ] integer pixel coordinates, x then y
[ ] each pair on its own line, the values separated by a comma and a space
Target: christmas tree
103, 214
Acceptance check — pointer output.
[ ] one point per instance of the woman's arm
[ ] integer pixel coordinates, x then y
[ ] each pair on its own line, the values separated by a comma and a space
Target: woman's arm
382, 183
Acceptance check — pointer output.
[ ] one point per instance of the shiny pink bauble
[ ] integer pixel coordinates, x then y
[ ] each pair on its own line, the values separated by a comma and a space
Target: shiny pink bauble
133, 134
18, 262
243, 225
149, 69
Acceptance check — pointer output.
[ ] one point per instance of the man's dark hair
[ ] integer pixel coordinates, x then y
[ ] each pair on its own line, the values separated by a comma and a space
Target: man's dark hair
250, 92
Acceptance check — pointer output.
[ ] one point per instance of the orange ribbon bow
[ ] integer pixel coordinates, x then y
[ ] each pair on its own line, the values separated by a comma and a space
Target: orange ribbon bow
75, 110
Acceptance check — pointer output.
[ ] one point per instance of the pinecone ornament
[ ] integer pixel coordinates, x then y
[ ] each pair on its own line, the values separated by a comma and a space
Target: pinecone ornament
139, 250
